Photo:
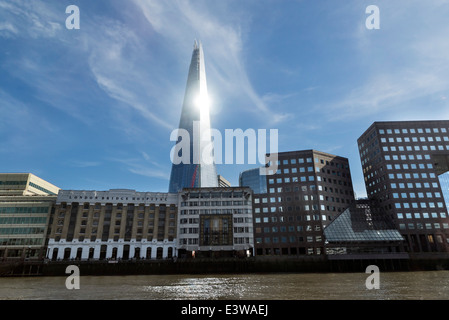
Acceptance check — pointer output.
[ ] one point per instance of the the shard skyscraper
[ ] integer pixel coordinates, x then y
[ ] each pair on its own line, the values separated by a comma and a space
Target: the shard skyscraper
197, 168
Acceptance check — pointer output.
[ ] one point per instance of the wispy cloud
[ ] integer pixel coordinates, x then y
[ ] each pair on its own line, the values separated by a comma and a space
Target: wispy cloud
144, 166
220, 30
115, 58
105, 51
406, 72
35, 19
7, 30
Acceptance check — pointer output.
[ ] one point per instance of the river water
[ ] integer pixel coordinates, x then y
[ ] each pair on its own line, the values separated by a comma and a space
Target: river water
429, 285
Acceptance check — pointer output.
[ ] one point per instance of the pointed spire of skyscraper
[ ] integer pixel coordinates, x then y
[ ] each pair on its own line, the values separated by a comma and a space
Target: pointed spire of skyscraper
200, 171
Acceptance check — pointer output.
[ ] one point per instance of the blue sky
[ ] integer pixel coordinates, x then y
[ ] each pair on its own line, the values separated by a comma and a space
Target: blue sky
94, 108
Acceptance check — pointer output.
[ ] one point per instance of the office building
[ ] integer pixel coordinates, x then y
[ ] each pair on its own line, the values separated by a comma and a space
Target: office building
26, 204
115, 224
194, 166
215, 222
254, 179
402, 164
309, 189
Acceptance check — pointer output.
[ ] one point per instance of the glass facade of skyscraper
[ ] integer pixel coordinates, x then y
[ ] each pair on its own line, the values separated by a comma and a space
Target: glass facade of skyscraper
197, 166
253, 179
444, 182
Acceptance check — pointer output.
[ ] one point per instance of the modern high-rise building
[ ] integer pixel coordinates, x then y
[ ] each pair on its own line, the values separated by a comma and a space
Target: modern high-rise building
193, 160
403, 164
254, 179
309, 189
26, 207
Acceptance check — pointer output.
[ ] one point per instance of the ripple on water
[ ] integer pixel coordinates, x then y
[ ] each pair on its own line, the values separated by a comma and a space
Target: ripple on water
351, 286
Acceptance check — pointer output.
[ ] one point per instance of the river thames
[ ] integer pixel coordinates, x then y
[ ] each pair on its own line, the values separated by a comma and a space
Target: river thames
428, 285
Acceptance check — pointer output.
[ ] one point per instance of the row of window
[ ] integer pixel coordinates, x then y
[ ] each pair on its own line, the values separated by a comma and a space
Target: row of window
306, 179
310, 160
412, 176
291, 239
407, 166
304, 197
312, 188
396, 157
13, 183
420, 226
197, 220
195, 241
214, 203
21, 242
311, 217
290, 228
116, 238
412, 130
119, 215
417, 148
194, 230
215, 195
414, 139
41, 188
24, 209
418, 215
119, 206
285, 219
274, 209
411, 185
119, 222
416, 205
23, 220
412, 195
215, 211
139, 231
34, 230
309, 169
294, 161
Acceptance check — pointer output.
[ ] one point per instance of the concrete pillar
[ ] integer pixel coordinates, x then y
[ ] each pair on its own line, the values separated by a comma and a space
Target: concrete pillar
49, 252
85, 253
109, 252
61, 253
97, 249
143, 252
153, 251
131, 251
73, 252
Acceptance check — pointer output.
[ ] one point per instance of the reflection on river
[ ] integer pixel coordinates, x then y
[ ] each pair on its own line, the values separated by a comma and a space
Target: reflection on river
329, 286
